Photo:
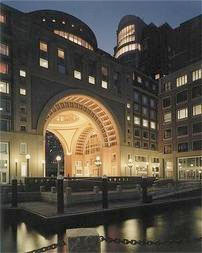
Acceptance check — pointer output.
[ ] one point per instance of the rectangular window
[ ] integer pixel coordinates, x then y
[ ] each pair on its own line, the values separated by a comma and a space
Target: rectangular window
167, 117
152, 114
167, 133
166, 102
153, 125
144, 100
145, 145
128, 118
136, 107
22, 91
22, 73
167, 149
3, 68
136, 120
137, 144
197, 145
182, 80
43, 46
5, 105
4, 50
183, 147
61, 53
145, 111
23, 109
145, 134
4, 125
61, 68
157, 76
153, 146
197, 109
182, 130
23, 148
181, 96
137, 97
197, 74
153, 136
137, 132
43, 63
145, 122
182, 113
91, 79
104, 71
77, 74
152, 103
197, 91
3, 148
167, 86
104, 84
22, 128
197, 128
2, 18
4, 87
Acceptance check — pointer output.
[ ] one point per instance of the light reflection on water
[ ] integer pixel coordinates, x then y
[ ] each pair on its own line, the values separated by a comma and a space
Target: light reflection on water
178, 223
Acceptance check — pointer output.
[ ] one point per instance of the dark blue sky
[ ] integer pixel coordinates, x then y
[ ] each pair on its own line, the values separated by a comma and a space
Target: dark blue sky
103, 16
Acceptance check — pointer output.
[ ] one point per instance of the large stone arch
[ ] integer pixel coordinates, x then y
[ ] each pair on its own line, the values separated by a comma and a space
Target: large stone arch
101, 117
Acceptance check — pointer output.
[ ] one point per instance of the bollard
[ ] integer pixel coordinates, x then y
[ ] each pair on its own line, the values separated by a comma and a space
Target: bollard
14, 200
104, 192
53, 189
83, 240
60, 195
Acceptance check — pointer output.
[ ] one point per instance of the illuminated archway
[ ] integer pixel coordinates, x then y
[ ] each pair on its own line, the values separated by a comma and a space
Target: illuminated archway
87, 131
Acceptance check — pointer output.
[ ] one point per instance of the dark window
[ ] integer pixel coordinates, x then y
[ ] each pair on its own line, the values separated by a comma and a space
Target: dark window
23, 128
153, 136
182, 96
61, 69
4, 125
182, 130
104, 71
145, 111
92, 69
167, 133
167, 149
137, 144
197, 145
152, 103
137, 132
196, 91
183, 147
144, 100
5, 105
78, 63
145, 134
145, 145
22, 109
197, 127
153, 146
137, 96
152, 114
137, 107
167, 86
166, 102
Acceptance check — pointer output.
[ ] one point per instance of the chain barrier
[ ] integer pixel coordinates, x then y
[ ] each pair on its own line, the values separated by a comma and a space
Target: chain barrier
50, 247
148, 243
122, 241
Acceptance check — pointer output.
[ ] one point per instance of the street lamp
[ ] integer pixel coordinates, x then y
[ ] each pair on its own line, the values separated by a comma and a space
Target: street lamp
28, 158
16, 167
58, 159
44, 168
130, 165
98, 163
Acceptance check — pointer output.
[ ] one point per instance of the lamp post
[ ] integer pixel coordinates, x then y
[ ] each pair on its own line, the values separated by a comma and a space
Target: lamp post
98, 163
16, 167
28, 158
58, 159
44, 168
130, 165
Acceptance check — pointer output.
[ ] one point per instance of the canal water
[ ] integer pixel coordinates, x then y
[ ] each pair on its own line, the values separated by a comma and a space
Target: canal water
176, 223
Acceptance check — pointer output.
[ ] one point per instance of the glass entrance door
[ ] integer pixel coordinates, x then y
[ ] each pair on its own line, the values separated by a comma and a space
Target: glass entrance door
4, 163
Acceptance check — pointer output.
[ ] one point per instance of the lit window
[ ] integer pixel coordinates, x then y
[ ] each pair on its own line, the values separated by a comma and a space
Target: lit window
77, 74
91, 79
128, 118
182, 113
197, 109
197, 74
182, 80
53, 20
128, 105
157, 76
61, 53
145, 123
3, 68
2, 18
104, 84
22, 73
22, 91
167, 149
4, 87
127, 34
43, 63
139, 79
153, 125
167, 117
43, 46
136, 120
130, 47
4, 49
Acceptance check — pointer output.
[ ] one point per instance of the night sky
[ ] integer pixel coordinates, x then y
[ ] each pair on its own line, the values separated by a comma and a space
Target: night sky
103, 16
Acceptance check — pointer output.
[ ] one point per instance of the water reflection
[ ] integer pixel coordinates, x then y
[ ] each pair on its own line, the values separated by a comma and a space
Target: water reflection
179, 223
